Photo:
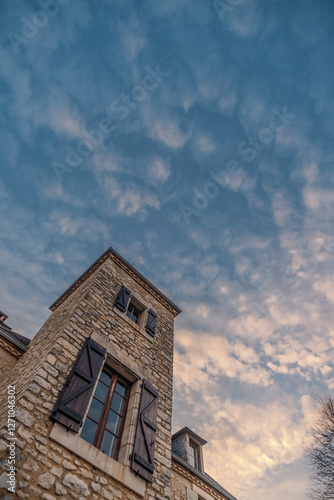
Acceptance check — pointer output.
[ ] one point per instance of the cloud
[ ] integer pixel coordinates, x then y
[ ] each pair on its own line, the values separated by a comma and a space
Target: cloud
281, 210
131, 201
245, 19
207, 355
205, 144
159, 170
168, 132
326, 287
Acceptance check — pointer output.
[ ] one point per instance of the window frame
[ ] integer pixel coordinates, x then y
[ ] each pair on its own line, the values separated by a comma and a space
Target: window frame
196, 456
129, 314
144, 308
103, 418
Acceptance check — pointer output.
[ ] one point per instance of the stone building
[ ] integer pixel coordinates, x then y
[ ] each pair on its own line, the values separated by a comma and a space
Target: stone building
93, 398
12, 346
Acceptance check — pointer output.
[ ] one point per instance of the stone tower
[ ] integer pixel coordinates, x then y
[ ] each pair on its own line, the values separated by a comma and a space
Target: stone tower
93, 393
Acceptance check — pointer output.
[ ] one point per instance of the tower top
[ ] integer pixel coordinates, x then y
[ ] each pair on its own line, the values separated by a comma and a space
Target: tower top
110, 253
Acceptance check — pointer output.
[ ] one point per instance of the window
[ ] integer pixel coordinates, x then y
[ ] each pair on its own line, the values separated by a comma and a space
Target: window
135, 310
105, 419
100, 400
193, 454
133, 313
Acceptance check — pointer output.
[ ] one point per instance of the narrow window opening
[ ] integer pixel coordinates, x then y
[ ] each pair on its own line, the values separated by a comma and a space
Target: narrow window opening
193, 454
135, 310
133, 313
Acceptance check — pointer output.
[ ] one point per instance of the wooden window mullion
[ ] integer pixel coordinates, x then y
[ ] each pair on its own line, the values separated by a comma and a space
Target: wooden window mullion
122, 424
105, 412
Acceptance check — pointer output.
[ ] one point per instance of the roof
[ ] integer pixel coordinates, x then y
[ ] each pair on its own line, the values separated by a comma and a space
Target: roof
191, 433
15, 338
203, 476
111, 253
213, 481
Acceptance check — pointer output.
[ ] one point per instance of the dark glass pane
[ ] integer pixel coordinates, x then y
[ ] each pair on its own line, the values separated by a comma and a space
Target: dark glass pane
95, 410
88, 431
121, 388
112, 422
105, 376
131, 316
117, 403
108, 444
101, 392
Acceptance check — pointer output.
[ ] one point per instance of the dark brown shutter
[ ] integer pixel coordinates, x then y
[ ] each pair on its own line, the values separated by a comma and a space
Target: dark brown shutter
143, 452
73, 400
123, 298
151, 322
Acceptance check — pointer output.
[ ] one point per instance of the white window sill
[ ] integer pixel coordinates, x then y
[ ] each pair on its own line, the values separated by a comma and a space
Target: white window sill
120, 473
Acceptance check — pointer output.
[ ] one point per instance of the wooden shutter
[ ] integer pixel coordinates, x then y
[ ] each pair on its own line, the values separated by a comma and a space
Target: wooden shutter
74, 398
123, 298
143, 453
151, 322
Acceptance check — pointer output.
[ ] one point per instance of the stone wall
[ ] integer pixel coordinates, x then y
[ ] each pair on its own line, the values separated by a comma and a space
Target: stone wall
9, 354
49, 470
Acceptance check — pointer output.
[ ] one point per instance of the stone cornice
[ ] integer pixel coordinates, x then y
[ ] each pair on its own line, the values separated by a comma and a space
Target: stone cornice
8, 346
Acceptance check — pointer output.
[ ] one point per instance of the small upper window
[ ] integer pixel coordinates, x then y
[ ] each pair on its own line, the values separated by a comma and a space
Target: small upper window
135, 310
133, 313
105, 419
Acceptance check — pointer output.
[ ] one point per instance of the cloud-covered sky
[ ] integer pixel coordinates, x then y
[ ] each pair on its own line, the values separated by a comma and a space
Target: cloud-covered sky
196, 139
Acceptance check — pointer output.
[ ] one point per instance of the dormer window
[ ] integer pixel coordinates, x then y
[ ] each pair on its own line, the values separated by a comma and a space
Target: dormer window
188, 446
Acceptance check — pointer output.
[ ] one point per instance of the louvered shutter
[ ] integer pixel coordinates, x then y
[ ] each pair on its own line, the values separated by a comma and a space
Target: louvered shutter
74, 398
143, 453
123, 298
151, 322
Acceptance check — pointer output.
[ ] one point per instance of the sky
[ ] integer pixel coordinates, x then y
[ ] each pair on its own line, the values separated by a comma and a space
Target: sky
195, 138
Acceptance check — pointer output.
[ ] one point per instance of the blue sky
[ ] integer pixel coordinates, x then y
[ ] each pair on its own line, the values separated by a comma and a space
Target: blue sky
196, 139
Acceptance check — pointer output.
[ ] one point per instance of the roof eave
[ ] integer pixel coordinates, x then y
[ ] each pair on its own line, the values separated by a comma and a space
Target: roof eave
186, 430
201, 476
14, 341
